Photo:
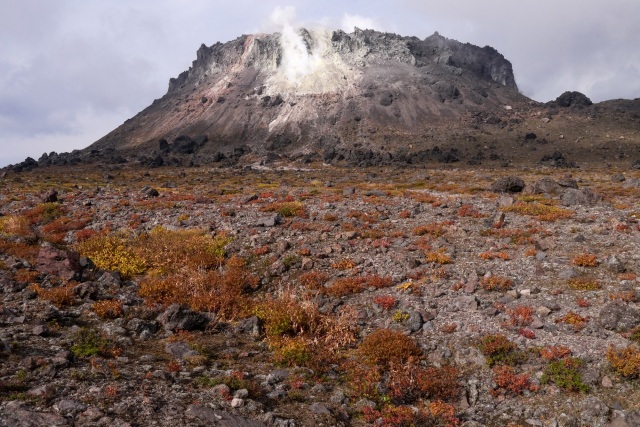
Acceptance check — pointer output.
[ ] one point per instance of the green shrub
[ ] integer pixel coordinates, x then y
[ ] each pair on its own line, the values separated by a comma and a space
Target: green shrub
565, 373
499, 350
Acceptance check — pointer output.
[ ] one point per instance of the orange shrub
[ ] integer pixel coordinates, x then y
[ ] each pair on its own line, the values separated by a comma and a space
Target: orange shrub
585, 260
386, 302
496, 283
44, 213
222, 292
493, 255
343, 264
108, 309
313, 279
438, 257
506, 379
20, 250
571, 318
625, 361
499, 350
386, 346
628, 296
346, 286
26, 276
408, 383
60, 296
435, 229
555, 352
521, 316
469, 211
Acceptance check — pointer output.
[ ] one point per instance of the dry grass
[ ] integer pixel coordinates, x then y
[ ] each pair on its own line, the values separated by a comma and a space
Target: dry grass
542, 212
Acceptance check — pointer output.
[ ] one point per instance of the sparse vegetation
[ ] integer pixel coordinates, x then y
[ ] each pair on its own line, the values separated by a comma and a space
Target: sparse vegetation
347, 299
499, 350
565, 373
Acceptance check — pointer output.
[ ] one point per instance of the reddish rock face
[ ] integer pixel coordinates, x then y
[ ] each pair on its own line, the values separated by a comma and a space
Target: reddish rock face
65, 264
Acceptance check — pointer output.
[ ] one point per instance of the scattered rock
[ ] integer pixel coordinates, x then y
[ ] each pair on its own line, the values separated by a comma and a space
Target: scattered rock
180, 318
218, 418
180, 350
149, 192
508, 184
270, 221
50, 196
251, 326
619, 316
585, 197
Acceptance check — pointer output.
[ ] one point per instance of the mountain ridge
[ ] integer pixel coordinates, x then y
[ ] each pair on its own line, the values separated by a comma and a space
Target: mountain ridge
332, 89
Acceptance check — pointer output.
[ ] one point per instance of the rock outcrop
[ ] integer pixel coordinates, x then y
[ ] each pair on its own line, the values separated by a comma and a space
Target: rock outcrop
317, 95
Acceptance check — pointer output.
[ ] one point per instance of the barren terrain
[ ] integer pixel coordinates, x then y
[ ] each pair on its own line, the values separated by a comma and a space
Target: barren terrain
319, 296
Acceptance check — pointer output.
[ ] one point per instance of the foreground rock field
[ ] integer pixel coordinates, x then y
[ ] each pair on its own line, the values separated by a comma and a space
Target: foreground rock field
319, 297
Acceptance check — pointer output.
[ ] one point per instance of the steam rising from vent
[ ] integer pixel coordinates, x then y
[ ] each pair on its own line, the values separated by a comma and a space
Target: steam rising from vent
297, 59
309, 64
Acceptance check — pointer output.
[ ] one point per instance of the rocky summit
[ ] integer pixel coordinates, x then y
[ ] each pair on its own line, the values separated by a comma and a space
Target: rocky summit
316, 94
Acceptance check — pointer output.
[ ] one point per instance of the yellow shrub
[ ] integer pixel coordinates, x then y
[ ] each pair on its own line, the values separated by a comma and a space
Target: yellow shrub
115, 252
161, 251
539, 211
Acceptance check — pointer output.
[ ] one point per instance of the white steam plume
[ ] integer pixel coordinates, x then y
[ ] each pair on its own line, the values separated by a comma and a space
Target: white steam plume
349, 22
297, 62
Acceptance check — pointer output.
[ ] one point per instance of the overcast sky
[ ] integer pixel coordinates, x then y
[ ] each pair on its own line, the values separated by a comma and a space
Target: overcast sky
73, 70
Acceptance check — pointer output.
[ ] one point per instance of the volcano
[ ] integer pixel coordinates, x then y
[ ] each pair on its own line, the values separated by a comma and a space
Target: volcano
365, 96
367, 99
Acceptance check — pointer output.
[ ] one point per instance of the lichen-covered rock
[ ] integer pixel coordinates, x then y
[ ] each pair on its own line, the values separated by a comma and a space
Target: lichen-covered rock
619, 316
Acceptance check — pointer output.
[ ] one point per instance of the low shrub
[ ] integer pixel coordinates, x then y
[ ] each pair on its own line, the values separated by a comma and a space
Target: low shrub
438, 257
108, 309
565, 373
507, 379
571, 318
498, 350
60, 296
555, 352
386, 302
409, 383
584, 284
585, 260
44, 213
88, 342
222, 291
385, 346
496, 283
539, 211
625, 361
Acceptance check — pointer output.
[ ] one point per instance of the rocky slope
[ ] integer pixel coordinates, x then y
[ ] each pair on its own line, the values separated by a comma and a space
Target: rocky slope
316, 92
518, 305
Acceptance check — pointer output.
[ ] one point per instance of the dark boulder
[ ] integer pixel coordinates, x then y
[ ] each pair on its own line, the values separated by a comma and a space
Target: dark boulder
573, 99
181, 318
386, 99
49, 196
183, 145
508, 184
